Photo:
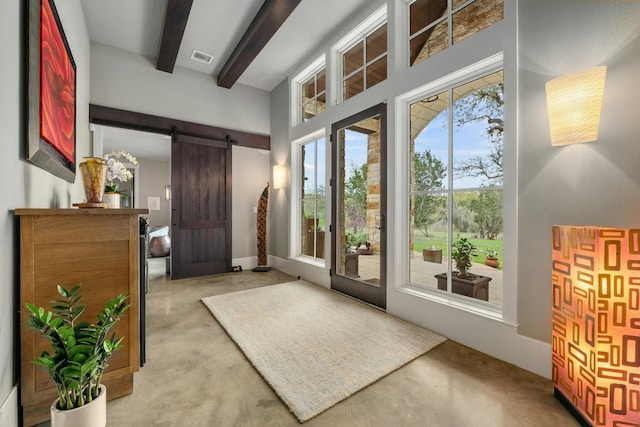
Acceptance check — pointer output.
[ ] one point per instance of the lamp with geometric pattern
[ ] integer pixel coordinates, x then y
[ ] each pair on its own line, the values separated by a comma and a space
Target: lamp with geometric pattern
596, 324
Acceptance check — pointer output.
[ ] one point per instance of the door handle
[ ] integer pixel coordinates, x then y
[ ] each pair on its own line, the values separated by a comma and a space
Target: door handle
382, 223
173, 217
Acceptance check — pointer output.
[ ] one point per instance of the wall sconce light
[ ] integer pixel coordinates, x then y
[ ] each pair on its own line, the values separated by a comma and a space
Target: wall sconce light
167, 192
596, 324
278, 177
574, 103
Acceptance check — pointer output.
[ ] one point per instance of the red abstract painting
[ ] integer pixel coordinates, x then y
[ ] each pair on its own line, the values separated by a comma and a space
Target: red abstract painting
57, 86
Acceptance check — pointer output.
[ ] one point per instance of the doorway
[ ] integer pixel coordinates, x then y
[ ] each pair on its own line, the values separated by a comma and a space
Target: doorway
200, 206
358, 179
106, 116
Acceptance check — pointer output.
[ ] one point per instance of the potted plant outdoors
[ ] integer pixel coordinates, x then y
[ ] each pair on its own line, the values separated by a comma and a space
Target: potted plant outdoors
351, 264
491, 258
462, 281
117, 172
80, 354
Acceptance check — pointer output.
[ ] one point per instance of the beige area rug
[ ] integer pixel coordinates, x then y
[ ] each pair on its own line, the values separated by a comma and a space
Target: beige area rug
313, 346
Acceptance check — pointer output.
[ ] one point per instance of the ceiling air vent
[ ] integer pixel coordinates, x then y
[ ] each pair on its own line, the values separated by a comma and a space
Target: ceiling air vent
201, 57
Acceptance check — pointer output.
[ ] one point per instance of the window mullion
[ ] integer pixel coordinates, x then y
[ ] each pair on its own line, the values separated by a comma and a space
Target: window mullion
364, 64
450, 188
315, 94
428, 27
353, 73
382, 55
315, 197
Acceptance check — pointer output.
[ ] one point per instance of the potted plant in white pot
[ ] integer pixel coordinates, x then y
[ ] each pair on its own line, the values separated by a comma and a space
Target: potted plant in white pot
80, 354
117, 172
462, 281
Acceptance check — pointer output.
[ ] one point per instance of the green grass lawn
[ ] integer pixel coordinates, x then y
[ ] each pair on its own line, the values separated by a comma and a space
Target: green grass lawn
439, 240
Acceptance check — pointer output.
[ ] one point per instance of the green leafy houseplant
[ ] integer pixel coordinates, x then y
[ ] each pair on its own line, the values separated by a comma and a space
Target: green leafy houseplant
80, 349
461, 252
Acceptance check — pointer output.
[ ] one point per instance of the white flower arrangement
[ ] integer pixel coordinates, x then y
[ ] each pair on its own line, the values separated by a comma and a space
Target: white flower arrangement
116, 171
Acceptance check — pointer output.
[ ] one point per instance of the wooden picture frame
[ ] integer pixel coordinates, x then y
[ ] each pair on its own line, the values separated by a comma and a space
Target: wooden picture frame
52, 93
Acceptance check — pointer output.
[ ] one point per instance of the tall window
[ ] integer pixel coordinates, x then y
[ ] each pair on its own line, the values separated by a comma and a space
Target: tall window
311, 203
314, 95
433, 27
456, 189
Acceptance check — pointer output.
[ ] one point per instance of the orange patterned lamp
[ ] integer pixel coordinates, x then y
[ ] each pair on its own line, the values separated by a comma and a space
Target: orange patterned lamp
596, 324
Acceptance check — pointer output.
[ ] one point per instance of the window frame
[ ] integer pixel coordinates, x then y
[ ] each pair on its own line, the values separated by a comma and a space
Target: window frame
296, 184
467, 74
308, 72
355, 36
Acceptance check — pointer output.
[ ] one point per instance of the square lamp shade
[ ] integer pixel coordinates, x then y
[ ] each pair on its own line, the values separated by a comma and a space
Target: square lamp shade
574, 103
596, 324
278, 177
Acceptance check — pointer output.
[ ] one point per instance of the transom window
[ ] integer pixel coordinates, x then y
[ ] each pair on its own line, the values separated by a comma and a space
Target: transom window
364, 65
361, 56
456, 189
309, 92
313, 95
433, 27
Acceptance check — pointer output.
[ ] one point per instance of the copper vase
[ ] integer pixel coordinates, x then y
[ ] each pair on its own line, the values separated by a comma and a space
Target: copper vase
94, 176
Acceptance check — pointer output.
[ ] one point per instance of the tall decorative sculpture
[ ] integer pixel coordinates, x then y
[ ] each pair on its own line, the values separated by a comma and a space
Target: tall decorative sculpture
261, 223
596, 324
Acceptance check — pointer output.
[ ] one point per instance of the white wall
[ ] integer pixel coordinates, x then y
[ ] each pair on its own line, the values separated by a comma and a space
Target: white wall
588, 184
25, 185
153, 175
250, 169
121, 79
280, 155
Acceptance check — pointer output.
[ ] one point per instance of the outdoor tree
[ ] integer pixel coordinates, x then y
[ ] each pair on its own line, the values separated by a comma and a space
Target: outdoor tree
488, 214
483, 105
429, 173
355, 198
314, 206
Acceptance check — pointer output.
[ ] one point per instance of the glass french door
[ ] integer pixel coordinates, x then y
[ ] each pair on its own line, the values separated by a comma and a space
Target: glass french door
358, 180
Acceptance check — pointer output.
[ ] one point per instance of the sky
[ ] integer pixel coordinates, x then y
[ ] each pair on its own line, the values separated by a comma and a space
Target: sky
469, 141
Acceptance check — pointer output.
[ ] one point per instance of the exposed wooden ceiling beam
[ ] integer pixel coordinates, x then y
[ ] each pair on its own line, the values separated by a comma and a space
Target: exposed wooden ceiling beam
175, 21
108, 116
270, 17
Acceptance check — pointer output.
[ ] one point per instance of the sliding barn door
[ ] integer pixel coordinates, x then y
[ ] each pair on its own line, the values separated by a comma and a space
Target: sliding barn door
201, 206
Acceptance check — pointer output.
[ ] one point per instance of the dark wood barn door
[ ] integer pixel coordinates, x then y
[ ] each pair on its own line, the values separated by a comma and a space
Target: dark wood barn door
200, 206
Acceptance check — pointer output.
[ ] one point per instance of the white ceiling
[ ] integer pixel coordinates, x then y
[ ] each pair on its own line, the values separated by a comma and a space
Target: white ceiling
215, 27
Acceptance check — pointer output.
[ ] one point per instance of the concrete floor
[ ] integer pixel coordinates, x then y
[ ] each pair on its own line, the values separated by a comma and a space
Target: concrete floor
196, 376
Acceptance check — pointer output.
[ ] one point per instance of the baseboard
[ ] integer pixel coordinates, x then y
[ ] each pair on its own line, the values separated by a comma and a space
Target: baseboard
313, 273
9, 409
247, 263
487, 335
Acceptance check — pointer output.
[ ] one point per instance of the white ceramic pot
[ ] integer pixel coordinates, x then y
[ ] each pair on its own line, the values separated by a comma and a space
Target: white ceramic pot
93, 414
112, 200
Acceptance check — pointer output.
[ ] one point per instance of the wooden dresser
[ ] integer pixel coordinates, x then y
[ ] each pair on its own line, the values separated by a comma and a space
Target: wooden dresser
98, 248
